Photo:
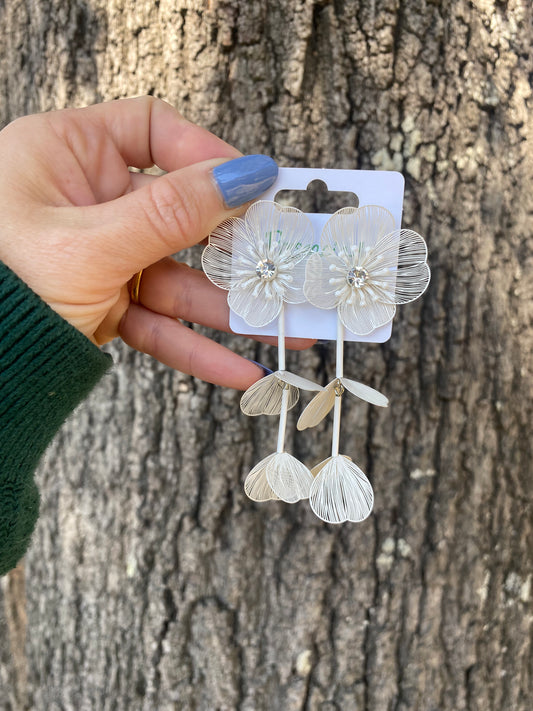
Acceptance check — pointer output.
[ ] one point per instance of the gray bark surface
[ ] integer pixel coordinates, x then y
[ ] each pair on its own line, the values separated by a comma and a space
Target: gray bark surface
152, 582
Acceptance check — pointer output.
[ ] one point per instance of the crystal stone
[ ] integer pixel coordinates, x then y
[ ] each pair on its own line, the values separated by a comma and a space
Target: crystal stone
357, 276
266, 269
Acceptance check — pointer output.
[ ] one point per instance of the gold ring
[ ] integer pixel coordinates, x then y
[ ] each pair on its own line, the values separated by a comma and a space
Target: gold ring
135, 287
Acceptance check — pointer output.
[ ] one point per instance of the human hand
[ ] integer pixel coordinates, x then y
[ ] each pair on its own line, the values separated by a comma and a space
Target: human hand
77, 224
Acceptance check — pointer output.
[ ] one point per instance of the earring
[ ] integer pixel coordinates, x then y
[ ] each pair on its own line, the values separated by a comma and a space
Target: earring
364, 268
260, 261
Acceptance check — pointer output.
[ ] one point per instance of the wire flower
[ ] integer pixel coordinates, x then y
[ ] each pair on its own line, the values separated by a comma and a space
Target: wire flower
289, 479
365, 268
260, 260
324, 401
279, 476
340, 491
266, 395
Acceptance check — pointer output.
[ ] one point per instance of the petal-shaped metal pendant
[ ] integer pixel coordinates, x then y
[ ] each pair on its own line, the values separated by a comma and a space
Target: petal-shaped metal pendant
289, 479
341, 492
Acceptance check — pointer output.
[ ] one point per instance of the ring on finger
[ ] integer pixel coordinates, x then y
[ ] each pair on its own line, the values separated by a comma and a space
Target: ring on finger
135, 287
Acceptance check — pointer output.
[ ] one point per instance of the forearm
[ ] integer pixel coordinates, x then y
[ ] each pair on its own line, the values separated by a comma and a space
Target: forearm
47, 367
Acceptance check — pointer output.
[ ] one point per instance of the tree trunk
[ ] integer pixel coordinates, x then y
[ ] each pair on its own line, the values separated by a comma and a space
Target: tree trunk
152, 581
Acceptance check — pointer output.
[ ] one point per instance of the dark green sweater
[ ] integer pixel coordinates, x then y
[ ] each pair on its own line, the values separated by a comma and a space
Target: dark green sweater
46, 368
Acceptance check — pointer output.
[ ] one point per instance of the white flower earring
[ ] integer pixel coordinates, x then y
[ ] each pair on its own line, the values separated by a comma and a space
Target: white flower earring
364, 269
260, 261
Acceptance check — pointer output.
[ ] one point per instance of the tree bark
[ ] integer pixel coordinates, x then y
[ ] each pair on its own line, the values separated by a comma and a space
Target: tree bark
152, 582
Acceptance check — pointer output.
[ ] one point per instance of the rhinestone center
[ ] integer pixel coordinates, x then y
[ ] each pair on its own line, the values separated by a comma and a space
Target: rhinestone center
357, 277
266, 270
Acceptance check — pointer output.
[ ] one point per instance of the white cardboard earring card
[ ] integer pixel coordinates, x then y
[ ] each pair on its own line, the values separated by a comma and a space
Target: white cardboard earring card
372, 187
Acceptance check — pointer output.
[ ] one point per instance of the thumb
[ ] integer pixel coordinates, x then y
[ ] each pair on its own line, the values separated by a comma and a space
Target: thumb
177, 210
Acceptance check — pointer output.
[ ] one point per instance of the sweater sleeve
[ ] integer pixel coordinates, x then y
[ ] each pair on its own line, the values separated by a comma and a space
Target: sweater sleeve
47, 367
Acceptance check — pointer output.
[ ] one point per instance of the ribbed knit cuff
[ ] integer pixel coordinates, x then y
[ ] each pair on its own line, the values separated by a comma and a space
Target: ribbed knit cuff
46, 368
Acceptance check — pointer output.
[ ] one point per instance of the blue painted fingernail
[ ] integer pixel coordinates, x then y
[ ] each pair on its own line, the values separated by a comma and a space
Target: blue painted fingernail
266, 370
244, 179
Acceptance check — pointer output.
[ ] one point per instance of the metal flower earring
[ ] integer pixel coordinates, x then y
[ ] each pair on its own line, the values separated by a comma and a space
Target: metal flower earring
364, 269
260, 261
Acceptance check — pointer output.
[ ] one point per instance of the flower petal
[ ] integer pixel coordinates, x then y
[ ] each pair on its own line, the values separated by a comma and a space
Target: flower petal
255, 310
317, 287
256, 486
362, 320
353, 229
295, 270
341, 492
264, 397
230, 258
365, 392
398, 267
282, 235
283, 231
217, 256
318, 408
288, 478
297, 381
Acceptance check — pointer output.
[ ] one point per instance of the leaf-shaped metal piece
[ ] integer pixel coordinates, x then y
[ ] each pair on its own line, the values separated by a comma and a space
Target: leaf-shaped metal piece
365, 392
341, 492
264, 397
256, 486
323, 402
298, 381
318, 408
288, 478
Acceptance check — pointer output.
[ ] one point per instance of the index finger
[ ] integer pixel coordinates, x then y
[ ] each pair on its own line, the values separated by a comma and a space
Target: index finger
148, 131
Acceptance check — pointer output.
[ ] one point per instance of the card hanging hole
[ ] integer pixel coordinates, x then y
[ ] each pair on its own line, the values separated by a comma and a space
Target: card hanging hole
317, 198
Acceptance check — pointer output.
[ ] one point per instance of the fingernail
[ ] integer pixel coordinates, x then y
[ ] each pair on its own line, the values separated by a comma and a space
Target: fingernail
266, 370
244, 179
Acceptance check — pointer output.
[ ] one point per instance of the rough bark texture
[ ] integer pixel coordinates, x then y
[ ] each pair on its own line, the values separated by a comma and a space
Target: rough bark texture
152, 582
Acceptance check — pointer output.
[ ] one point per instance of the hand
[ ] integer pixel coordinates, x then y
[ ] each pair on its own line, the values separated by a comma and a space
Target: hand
77, 224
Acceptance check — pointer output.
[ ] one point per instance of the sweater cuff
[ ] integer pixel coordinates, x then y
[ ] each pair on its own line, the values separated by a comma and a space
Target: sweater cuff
47, 367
